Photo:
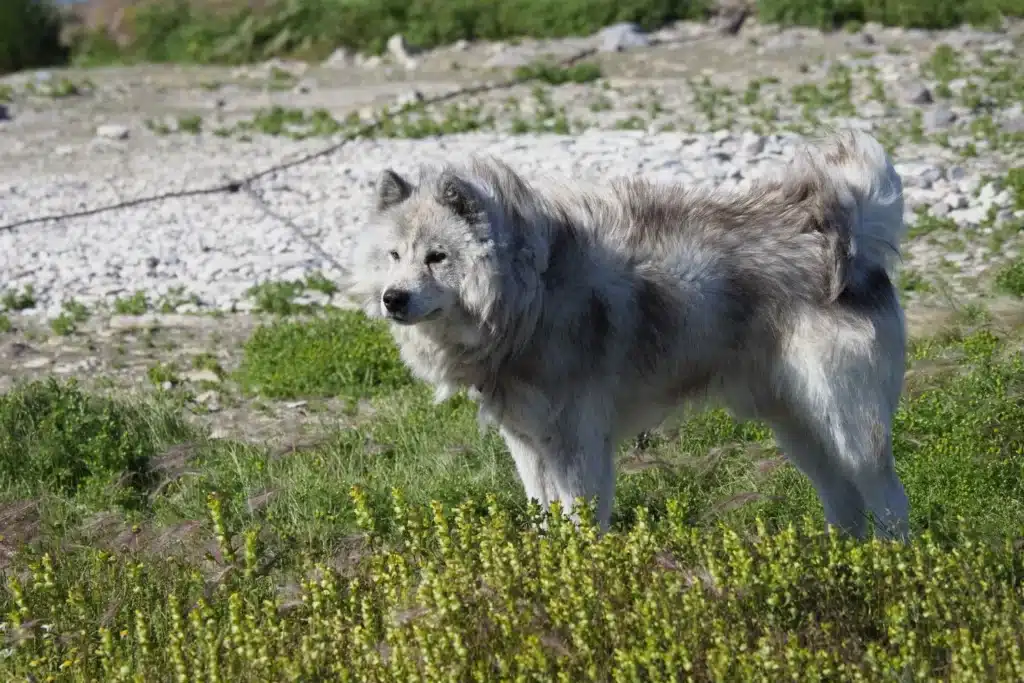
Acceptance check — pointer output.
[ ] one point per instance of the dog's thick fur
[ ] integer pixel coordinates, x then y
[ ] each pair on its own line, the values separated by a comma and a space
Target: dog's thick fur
578, 317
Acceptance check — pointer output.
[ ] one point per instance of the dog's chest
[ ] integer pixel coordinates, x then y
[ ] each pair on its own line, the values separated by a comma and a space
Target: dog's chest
436, 363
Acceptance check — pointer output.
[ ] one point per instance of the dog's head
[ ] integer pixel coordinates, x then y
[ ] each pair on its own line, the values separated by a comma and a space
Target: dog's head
451, 248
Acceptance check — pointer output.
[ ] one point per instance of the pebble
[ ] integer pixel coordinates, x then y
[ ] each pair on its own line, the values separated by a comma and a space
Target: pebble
217, 247
340, 58
938, 118
400, 51
113, 131
918, 94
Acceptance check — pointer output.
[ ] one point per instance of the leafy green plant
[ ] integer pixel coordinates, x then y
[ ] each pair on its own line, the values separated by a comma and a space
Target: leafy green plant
136, 304
13, 300
179, 30
1010, 278
471, 593
554, 74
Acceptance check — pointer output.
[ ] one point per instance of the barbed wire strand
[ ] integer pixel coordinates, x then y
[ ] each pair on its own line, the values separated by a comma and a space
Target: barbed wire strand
293, 226
234, 186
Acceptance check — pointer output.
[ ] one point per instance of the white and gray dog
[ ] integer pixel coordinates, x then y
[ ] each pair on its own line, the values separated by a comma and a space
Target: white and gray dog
581, 316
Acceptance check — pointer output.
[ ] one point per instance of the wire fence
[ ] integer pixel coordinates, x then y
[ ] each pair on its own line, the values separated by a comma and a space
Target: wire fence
249, 184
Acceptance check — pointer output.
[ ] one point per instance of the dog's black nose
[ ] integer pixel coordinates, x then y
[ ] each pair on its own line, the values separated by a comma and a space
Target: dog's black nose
395, 300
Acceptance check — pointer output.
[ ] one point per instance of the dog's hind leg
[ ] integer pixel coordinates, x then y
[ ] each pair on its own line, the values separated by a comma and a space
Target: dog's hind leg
841, 498
849, 461
842, 381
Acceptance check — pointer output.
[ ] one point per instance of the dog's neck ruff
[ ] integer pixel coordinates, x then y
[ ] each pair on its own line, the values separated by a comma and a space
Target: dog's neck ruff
474, 358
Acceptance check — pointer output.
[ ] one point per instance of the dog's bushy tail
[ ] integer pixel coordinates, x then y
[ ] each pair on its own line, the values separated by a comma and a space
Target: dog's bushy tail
867, 184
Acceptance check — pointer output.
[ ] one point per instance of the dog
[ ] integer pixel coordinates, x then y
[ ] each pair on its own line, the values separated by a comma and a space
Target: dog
577, 315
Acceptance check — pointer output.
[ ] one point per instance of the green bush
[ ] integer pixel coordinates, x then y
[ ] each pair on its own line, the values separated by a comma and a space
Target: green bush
30, 35
459, 596
57, 439
1010, 278
341, 354
931, 14
188, 31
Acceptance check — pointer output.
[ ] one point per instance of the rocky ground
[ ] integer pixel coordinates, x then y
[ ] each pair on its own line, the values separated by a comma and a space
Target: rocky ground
690, 103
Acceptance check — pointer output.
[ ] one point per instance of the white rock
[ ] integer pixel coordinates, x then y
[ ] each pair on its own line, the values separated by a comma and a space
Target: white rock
113, 131
401, 52
956, 201
619, 37
340, 58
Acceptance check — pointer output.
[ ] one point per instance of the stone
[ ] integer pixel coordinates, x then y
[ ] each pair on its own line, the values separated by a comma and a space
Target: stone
507, 59
5, 112
113, 131
956, 201
938, 118
198, 376
1013, 124
340, 58
918, 94
401, 52
622, 36
752, 144
409, 98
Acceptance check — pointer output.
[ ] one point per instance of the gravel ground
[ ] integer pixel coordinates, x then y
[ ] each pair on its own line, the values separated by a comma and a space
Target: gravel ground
704, 108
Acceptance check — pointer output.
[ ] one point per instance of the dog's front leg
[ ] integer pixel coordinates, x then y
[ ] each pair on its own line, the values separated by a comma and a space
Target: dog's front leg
530, 464
567, 458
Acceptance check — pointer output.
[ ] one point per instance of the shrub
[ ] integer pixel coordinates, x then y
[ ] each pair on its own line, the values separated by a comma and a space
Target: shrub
932, 14
30, 35
55, 438
459, 595
1010, 278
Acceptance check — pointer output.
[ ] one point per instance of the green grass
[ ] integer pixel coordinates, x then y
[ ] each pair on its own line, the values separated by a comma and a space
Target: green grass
180, 31
340, 354
136, 304
14, 300
173, 553
553, 74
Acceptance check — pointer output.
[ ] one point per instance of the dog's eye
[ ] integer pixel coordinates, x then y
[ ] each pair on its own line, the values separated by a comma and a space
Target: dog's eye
393, 254
435, 257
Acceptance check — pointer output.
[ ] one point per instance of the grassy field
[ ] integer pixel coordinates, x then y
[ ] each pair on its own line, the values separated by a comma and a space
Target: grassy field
231, 31
397, 545
400, 546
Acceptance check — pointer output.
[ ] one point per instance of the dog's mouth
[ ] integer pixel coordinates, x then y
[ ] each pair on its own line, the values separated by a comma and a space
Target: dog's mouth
403, 319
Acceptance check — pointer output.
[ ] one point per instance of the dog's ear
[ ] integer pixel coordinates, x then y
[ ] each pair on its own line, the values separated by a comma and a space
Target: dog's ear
459, 196
392, 189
